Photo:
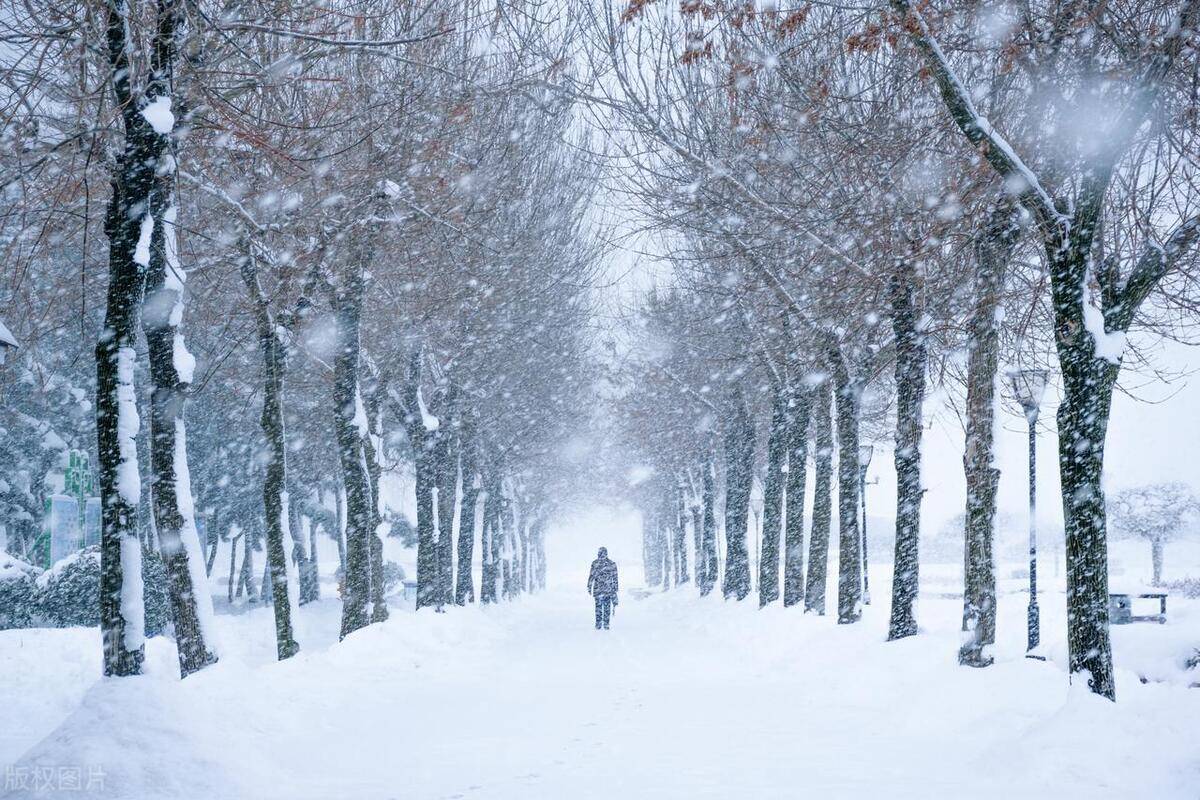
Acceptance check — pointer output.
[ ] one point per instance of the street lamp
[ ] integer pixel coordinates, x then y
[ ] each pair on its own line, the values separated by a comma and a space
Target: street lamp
864, 460
1029, 385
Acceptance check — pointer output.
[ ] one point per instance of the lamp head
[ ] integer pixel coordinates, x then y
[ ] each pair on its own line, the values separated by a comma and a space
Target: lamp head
1029, 387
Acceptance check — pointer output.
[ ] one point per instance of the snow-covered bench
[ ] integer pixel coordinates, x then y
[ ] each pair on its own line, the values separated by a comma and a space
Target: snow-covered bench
1120, 608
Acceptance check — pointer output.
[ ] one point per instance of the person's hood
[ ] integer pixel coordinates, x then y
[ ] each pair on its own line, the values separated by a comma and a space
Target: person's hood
603, 554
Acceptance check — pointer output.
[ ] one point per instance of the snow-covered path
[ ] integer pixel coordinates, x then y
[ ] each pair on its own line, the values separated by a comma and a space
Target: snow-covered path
683, 698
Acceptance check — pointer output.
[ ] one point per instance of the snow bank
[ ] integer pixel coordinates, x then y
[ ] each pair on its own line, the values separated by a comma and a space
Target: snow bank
685, 697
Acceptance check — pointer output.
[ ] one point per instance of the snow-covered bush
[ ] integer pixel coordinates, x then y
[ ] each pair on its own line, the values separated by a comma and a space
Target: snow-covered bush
393, 576
155, 594
1188, 587
403, 530
18, 592
69, 592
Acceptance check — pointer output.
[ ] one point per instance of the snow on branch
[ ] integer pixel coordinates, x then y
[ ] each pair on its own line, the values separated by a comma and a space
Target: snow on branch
1155, 262
978, 129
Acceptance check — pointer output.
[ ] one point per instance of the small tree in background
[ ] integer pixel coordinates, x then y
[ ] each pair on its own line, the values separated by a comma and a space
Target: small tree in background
1156, 513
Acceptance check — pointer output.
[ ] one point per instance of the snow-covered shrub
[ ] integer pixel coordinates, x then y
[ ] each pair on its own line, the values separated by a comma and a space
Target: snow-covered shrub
393, 576
1188, 587
403, 530
18, 592
69, 592
155, 594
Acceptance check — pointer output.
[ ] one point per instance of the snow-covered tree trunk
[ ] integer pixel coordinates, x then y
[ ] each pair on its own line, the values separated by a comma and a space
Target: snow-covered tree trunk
681, 516
992, 253
445, 455
350, 429
799, 412
490, 543
130, 225
171, 367
708, 539
299, 544
651, 563
666, 552
822, 513
910, 395
464, 587
422, 428
1088, 383
848, 392
372, 446
539, 531
275, 497
768, 563
739, 477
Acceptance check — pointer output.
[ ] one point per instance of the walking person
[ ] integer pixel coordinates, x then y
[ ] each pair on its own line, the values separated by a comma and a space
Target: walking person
602, 585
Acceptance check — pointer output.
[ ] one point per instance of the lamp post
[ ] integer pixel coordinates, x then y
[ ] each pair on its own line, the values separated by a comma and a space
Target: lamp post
1029, 385
864, 460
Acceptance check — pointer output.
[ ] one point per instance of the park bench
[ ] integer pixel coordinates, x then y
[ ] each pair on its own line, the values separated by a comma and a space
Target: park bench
1120, 608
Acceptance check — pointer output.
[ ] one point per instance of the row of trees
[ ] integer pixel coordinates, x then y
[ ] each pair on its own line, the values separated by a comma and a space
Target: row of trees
861, 200
368, 216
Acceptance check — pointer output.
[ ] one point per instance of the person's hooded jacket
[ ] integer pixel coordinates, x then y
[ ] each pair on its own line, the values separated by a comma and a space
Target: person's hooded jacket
603, 577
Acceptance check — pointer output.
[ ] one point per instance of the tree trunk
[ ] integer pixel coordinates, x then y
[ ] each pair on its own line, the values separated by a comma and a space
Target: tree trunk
298, 561
233, 540
768, 563
422, 443
540, 545
709, 533
992, 252
490, 543
681, 515
351, 428
739, 477
117, 423
798, 414
129, 225
339, 506
171, 497
372, 445
1082, 427
446, 476
650, 561
464, 588
1156, 560
213, 540
314, 564
822, 514
910, 394
246, 577
666, 551
849, 398
275, 499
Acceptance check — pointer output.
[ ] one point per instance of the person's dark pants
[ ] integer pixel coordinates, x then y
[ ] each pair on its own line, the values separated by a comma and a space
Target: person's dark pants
604, 604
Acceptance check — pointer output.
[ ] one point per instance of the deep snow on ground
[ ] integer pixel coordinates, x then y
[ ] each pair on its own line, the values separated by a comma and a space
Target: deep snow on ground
685, 697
